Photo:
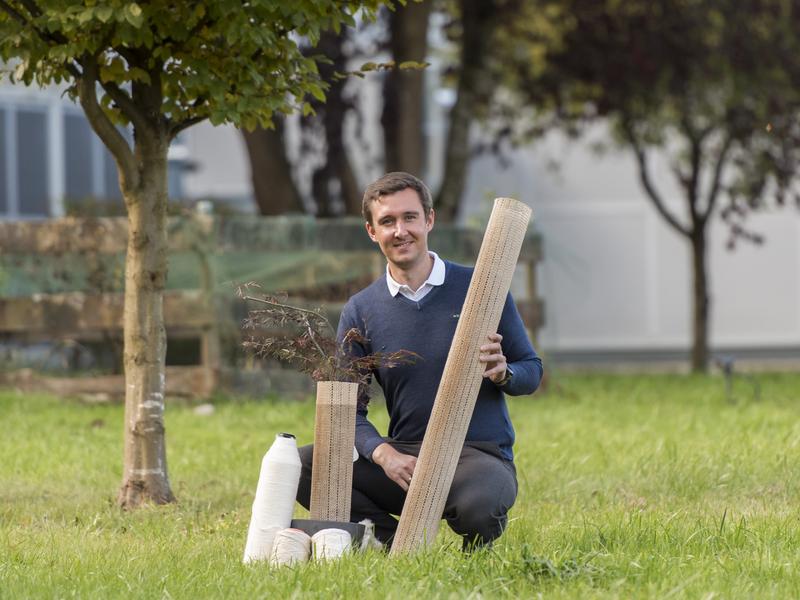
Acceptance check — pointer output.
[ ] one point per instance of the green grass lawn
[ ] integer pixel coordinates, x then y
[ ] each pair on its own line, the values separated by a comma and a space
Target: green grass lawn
630, 487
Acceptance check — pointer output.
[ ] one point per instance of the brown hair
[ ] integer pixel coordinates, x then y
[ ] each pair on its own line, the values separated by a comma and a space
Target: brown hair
391, 183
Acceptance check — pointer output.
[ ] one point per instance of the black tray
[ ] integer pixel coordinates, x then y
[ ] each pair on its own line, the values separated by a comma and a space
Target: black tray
356, 530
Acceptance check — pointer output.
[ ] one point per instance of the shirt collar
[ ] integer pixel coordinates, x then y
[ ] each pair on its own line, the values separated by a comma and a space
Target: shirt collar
435, 278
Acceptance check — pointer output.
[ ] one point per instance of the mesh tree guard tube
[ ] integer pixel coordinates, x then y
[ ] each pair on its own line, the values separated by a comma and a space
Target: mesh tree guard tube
334, 435
462, 376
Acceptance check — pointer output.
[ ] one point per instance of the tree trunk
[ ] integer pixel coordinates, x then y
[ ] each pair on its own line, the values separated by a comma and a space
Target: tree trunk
700, 353
334, 180
403, 89
337, 168
348, 183
477, 21
456, 159
320, 190
145, 464
273, 187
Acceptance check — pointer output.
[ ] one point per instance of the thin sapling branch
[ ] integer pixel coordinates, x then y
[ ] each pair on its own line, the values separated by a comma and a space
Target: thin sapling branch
307, 341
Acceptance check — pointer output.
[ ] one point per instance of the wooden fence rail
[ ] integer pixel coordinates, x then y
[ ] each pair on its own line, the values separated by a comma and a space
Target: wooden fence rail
90, 314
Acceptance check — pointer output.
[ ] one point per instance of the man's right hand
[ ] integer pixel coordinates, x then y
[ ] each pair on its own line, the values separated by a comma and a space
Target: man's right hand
398, 467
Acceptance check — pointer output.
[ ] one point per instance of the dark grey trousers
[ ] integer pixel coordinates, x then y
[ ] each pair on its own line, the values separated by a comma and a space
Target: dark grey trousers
484, 489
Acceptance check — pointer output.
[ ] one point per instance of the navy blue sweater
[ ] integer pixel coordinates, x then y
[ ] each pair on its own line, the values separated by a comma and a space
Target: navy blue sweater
427, 327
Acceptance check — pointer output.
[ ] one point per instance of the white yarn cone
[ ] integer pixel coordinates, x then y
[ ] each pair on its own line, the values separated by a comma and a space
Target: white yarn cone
290, 546
275, 496
328, 544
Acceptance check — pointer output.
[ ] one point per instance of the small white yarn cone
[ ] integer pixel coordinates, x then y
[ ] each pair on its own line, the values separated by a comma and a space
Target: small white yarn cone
328, 544
275, 496
290, 546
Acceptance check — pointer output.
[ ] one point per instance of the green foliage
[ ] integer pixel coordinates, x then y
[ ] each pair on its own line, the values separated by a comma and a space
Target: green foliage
223, 60
630, 487
713, 87
712, 84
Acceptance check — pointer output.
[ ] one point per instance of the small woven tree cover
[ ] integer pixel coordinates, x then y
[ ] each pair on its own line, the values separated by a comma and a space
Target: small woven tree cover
334, 435
462, 376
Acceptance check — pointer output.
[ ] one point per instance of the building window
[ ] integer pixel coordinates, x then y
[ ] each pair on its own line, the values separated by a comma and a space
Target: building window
49, 153
90, 170
4, 209
32, 157
77, 158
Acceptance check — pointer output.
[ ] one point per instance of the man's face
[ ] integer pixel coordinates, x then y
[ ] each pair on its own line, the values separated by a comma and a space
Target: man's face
400, 228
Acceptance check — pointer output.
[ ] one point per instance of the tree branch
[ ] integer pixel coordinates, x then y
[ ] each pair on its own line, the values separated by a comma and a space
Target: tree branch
17, 16
176, 127
126, 104
695, 165
35, 12
102, 125
307, 313
44, 36
644, 176
716, 182
129, 54
32, 8
148, 97
179, 126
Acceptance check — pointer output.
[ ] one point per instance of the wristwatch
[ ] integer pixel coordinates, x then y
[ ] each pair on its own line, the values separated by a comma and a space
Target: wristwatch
509, 374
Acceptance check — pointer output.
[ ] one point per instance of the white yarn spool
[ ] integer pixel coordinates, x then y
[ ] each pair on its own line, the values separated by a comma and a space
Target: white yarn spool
328, 544
275, 496
290, 546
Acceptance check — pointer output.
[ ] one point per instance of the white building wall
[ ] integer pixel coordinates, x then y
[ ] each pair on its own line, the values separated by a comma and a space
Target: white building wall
49, 101
52, 104
616, 277
221, 166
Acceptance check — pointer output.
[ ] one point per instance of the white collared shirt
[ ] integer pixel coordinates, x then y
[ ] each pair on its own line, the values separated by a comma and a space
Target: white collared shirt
435, 278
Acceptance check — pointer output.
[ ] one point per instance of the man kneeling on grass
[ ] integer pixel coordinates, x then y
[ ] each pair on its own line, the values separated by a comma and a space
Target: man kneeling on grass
415, 307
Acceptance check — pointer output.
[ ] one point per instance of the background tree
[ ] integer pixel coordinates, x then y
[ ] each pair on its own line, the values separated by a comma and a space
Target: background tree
402, 115
162, 67
325, 159
711, 86
475, 28
274, 189
402, 33
333, 179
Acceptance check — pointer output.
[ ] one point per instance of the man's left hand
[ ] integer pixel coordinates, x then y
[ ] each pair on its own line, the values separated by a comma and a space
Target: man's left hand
492, 355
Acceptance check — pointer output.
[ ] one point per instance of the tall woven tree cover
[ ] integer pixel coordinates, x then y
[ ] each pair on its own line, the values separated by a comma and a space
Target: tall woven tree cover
462, 376
275, 496
334, 435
